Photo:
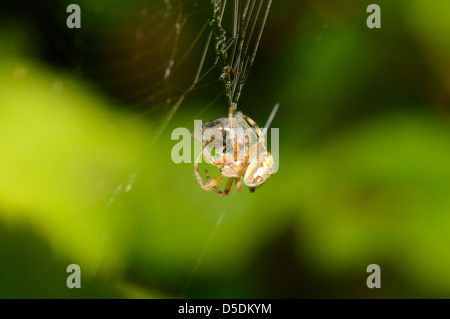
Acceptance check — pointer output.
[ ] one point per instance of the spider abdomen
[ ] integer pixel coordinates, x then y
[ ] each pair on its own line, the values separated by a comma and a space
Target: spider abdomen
259, 170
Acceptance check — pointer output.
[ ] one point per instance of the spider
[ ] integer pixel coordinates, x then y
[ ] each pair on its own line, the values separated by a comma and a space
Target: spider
253, 165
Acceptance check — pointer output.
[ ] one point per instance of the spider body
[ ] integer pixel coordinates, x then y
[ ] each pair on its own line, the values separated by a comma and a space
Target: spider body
240, 154
232, 168
259, 171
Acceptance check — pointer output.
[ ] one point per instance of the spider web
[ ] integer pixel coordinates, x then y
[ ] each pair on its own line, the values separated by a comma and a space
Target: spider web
180, 50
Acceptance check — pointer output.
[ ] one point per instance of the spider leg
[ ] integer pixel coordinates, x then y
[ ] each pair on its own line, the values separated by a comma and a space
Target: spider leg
228, 187
207, 176
208, 180
253, 149
238, 184
258, 131
247, 154
197, 160
232, 135
197, 174
211, 159
256, 127
212, 184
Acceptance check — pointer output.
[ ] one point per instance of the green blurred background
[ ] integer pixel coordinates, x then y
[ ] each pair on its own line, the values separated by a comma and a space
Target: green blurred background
86, 178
